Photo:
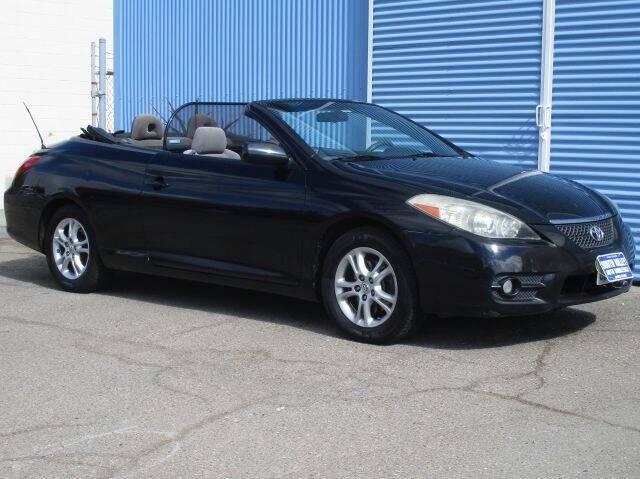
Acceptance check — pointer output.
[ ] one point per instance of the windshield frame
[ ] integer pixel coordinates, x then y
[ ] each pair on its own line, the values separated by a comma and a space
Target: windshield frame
271, 107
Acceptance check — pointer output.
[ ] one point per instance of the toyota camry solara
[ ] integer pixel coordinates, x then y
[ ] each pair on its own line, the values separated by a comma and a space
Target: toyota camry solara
348, 203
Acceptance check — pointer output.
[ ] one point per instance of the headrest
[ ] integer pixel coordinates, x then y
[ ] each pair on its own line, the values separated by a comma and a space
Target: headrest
198, 120
209, 139
147, 127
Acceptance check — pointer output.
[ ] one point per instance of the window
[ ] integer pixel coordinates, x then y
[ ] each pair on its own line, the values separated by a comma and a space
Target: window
336, 129
245, 130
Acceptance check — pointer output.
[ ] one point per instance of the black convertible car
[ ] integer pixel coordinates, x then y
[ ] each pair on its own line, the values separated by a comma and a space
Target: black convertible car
339, 201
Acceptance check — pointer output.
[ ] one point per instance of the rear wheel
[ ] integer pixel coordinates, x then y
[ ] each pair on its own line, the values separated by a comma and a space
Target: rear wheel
71, 251
368, 286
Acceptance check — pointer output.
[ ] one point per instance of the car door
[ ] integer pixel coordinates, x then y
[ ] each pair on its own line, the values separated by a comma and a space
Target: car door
111, 192
225, 217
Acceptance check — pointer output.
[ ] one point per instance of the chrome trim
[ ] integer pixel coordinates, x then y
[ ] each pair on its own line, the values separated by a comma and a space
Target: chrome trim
604, 216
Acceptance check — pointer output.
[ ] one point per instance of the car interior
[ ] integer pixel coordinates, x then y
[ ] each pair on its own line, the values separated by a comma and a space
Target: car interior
212, 130
147, 130
211, 141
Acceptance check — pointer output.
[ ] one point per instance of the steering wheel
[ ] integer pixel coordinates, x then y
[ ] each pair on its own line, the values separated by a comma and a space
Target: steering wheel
377, 144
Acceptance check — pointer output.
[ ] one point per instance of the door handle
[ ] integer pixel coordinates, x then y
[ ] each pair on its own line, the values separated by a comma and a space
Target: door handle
158, 183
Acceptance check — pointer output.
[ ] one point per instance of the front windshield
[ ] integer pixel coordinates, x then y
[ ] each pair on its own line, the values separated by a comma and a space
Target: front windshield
343, 129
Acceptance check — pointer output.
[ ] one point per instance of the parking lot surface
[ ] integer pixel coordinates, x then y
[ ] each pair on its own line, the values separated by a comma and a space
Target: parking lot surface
162, 378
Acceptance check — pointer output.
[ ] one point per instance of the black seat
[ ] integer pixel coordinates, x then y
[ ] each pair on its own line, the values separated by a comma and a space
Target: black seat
147, 130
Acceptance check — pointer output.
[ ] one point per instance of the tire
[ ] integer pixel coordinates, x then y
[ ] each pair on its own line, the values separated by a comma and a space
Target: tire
402, 315
87, 279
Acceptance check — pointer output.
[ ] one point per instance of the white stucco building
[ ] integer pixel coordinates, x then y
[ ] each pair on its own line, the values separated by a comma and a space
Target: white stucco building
45, 62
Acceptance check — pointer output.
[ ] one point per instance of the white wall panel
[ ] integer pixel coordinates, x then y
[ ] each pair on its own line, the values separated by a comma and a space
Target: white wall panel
45, 61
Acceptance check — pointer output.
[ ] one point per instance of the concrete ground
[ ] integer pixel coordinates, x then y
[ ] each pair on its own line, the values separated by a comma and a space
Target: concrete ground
3, 225
162, 378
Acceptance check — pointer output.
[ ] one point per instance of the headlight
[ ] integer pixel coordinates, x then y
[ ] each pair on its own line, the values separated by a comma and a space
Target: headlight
473, 217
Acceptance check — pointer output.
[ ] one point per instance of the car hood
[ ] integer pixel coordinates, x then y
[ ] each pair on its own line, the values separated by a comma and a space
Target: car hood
532, 195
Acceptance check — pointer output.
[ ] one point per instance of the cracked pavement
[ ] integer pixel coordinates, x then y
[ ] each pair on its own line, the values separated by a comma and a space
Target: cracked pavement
163, 378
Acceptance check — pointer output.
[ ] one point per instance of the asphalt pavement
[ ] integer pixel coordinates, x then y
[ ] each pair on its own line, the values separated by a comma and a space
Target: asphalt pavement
162, 378
3, 225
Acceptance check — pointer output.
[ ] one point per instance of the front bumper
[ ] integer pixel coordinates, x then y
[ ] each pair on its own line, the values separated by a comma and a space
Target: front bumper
460, 274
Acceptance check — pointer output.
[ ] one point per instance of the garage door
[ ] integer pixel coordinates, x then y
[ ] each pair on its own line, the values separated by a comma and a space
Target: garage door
470, 70
596, 100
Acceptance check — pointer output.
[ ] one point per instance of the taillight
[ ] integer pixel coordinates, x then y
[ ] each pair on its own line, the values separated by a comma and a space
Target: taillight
28, 164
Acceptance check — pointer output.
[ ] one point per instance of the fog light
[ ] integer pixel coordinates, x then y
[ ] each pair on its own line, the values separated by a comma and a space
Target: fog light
509, 286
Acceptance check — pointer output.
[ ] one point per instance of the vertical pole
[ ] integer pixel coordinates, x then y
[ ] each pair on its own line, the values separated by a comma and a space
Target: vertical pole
543, 110
370, 54
94, 87
369, 70
102, 83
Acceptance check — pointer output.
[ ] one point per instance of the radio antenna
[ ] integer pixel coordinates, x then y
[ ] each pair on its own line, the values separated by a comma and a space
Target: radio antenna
159, 114
34, 124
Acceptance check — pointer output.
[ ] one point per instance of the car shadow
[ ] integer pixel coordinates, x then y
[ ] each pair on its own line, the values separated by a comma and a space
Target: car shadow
479, 333
439, 333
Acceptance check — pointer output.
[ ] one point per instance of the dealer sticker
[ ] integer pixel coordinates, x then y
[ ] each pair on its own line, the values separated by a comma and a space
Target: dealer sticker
612, 267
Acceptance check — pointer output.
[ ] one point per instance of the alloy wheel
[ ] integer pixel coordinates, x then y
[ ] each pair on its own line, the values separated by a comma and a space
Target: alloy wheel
366, 287
70, 248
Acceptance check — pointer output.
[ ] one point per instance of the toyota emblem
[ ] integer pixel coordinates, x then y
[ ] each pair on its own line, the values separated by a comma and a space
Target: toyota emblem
596, 233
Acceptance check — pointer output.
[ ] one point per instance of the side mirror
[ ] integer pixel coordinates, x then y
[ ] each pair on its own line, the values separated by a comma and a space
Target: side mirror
268, 154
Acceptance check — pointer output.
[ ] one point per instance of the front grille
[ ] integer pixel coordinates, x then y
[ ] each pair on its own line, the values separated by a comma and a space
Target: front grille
580, 233
526, 295
530, 279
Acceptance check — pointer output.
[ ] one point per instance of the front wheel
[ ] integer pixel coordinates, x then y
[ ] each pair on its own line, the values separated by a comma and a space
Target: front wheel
368, 286
71, 251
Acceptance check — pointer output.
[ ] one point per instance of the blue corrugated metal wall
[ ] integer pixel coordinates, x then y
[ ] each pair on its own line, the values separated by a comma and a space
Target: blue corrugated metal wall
596, 100
468, 69
236, 50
